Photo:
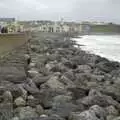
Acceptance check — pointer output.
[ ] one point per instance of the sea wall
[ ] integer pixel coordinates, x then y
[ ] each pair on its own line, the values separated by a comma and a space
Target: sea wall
8, 42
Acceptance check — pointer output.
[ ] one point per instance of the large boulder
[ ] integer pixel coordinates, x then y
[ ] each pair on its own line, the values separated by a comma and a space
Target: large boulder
59, 67
47, 94
7, 97
40, 79
32, 101
54, 83
88, 77
18, 90
50, 66
84, 69
78, 92
12, 74
111, 90
26, 112
32, 72
83, 59
107, 66
111, 110
61, 99
39, 110
94, 113
20, 102
67, 82
99, 112
31, 87
70, 75
96, 98
63, 109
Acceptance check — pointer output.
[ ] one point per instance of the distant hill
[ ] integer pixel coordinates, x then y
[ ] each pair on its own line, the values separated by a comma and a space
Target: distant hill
106, 28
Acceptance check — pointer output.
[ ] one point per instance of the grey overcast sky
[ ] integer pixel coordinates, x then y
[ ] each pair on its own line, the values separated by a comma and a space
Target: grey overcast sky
75, 10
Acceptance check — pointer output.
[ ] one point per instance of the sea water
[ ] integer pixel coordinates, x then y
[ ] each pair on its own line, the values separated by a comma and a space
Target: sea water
107, 46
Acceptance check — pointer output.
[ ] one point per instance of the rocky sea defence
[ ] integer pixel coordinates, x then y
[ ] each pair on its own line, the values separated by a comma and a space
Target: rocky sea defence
61, 83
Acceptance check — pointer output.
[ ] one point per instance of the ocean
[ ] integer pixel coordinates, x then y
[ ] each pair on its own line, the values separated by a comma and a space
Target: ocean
107, 46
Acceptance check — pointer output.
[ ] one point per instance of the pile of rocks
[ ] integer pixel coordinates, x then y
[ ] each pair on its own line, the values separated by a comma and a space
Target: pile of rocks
63, 83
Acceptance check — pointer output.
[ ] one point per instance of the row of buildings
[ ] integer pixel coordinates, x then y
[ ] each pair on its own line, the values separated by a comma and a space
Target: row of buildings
59, 27
43, 26
11, 25
51, 26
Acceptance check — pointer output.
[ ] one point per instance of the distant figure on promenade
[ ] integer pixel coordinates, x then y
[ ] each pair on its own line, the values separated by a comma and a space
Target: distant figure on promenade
0, 28
4, 30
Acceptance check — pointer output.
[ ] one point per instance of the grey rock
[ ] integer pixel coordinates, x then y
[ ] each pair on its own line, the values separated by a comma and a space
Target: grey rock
70, 75
26, 57
39, 79
7, 97
83, 78
92, 84
111, 117
97, 71
31, 87
42, 69
117, 118
63, 109
18, 90
20, 102
15, 118
23, 92
50, 65
61, 99
26, 112
55, 117
40, 110
32, 72
60, 68
106, 66
79, 92
43, 116
47, 94
54, 83
111, 90
86, 115
32, 65
95, 113
96, 98
67, 82
32, 101
111, 110
84, 68
99, 112
13, 74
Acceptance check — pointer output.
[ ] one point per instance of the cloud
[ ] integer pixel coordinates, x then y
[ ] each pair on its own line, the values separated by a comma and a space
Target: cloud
103, 10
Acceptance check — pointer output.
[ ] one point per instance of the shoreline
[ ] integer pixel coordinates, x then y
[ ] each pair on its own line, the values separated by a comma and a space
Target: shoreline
77, 45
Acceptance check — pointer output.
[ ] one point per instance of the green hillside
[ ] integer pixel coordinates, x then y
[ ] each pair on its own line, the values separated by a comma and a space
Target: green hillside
105, 28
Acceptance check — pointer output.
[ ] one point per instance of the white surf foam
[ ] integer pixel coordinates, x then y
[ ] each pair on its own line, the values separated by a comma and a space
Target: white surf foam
107, 46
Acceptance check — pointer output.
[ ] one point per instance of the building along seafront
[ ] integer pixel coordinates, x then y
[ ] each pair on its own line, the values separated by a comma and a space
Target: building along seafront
66, 27
11, 24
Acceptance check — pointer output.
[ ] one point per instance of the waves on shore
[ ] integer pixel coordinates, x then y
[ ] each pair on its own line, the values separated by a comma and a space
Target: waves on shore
107, 46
